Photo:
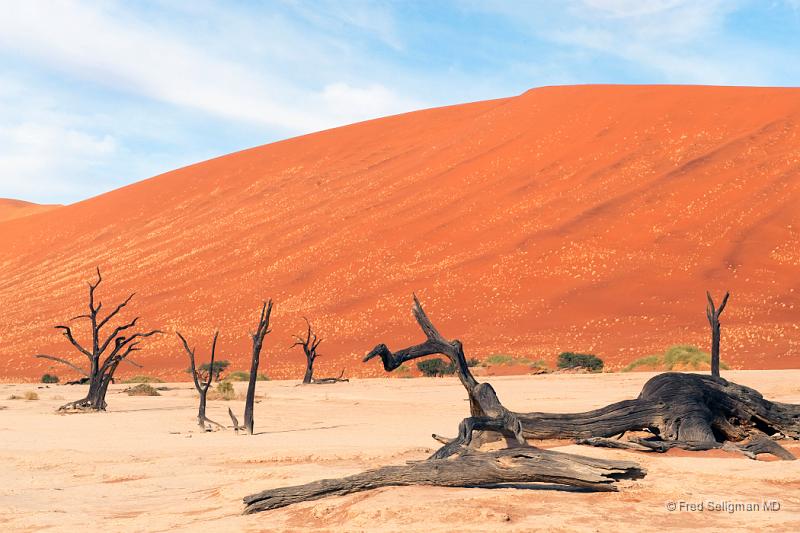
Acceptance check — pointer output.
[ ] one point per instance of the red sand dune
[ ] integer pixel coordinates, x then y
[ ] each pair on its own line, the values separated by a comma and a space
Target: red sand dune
588, 218
17, 208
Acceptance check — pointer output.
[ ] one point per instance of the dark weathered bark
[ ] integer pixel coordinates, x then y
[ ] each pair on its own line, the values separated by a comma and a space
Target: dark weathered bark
258, 341
202, 379
236, 426
469, 469
752, 448
712, 313
106, 351
309, 345
674, 407
483, 400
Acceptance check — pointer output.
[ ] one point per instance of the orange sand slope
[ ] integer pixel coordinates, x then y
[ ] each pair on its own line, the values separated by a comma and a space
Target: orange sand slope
17, 208
587, 218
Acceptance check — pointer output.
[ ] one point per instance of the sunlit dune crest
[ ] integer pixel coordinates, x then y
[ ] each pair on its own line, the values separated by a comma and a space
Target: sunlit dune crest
585, 218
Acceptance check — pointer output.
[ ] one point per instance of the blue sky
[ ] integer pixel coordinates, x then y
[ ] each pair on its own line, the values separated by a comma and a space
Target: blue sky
97, 94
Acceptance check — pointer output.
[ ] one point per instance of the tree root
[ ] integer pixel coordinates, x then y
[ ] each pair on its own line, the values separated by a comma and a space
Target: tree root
757, 445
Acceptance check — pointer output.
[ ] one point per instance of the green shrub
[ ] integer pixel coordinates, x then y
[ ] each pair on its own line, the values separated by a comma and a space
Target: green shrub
241, 375
142, 389
224, 391
580, 360
499, 359
539, 363
436, 368
683, 355
143, 379
219, 368
49, 378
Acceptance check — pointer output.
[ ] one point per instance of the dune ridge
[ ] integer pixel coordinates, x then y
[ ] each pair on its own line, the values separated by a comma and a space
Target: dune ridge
583, 218
10, 208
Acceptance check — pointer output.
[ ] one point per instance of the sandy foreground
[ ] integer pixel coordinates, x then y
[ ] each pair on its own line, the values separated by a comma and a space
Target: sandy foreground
145, 466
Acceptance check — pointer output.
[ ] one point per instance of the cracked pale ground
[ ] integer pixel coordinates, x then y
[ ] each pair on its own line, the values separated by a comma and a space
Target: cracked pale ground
144, 465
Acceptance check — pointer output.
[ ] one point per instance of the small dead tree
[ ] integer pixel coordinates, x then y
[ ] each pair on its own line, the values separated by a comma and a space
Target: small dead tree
258, 341
713, 312
309, 345
202, 379
106, 352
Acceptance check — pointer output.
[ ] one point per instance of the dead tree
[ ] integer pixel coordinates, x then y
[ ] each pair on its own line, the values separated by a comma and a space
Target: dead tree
309, 345
713, 312
469, 469
258, 341
202, 379
106, 351
681, 410
456, 464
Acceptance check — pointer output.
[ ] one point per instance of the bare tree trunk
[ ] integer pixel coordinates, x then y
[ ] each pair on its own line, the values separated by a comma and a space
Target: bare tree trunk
712, 312
309, 370
258, 341
201, 382
471, 469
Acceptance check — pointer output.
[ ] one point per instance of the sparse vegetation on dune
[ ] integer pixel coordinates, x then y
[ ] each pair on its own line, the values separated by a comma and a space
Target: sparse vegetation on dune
238, 375
142, 379
50, 378
676, 357
499, 359
502, 359
241, 375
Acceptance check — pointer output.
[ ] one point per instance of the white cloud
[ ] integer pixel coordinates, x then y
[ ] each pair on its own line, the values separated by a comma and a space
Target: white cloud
35, 157
253, 68
112, 48
674, 41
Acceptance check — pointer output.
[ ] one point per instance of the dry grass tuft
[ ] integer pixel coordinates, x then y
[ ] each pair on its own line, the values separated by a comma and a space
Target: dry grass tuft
142, 389
27, 395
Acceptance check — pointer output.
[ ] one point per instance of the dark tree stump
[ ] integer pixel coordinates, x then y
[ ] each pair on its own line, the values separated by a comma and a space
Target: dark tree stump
712, 313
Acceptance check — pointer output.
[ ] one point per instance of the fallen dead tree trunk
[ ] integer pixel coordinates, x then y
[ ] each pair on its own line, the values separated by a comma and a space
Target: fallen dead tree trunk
323, 381
457, 463
685, 410
469, 469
